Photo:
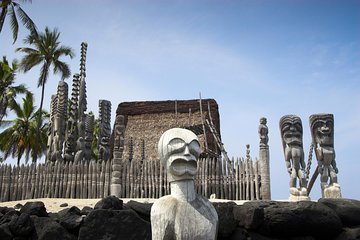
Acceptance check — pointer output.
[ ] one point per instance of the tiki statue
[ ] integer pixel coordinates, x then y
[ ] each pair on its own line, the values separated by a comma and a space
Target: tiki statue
183, 214
291, 135
263, 132
322, 131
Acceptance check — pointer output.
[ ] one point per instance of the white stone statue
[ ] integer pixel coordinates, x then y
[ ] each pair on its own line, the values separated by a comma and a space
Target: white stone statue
183, 214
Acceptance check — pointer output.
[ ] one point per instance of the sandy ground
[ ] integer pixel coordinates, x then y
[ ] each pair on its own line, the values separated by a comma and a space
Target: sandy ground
53, 204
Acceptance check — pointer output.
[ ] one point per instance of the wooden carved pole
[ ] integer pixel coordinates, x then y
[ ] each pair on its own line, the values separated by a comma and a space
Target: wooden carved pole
119, 135
264, 158
105, 129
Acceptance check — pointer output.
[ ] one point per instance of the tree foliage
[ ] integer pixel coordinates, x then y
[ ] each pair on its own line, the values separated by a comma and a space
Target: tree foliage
8, 91
14, 11
46, 52
19, 136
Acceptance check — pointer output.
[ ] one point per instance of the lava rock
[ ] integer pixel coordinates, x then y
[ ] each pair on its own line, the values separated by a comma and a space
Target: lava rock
9, 215
109, 202
22, 225
250, 215
347, 209
86, 210
46, 229
112, 225
305, 218
64, 205
142, 209
227, 222
5, 233
71, 219
349, 234
18, 206
34, 208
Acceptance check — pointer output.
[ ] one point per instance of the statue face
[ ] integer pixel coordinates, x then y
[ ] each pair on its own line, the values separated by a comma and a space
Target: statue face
323, 129
179, 150
291, 129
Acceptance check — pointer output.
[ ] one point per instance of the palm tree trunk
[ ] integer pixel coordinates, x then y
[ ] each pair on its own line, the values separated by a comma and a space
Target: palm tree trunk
2, 16
38, 140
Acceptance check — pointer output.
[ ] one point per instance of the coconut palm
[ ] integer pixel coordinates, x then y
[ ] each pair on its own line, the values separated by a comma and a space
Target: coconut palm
12, 8
19, 138
8, 90
47, 52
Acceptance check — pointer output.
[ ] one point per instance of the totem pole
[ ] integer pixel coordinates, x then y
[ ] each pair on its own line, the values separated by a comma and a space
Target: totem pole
119, 136
60, 121
89, 132
183, 214
292, 140
322, 131
264, 160
104, 129
82, 107
71, 127
50, 133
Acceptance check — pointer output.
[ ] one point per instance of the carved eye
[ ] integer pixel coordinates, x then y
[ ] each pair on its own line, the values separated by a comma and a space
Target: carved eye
298, 127
286, 127
176, 145
194, 148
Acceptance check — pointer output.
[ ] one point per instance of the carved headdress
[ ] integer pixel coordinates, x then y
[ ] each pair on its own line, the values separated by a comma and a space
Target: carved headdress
322, 128
291, 130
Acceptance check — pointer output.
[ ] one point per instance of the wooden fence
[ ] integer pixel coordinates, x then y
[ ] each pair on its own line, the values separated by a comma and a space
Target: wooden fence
55, 180
238, 180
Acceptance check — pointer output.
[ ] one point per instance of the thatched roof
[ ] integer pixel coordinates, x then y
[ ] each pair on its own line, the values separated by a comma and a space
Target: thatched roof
146, 121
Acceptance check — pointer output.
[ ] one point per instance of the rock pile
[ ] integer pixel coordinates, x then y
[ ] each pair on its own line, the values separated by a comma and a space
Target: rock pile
337, 219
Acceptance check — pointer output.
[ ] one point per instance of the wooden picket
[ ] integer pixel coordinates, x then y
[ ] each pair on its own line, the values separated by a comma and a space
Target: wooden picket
140, 179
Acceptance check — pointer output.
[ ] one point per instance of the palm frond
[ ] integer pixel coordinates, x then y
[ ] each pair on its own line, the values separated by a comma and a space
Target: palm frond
26, 21
13, 23
63, 68
44, 73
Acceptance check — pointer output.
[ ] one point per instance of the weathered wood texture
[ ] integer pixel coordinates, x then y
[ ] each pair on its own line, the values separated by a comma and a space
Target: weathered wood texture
55, 180
146, 121
140, 179
148, 179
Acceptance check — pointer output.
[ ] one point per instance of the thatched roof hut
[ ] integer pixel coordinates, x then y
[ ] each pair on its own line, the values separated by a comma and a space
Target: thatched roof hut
146, 121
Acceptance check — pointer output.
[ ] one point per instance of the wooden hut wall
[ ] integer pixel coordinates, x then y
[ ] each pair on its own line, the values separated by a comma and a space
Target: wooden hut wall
146, 121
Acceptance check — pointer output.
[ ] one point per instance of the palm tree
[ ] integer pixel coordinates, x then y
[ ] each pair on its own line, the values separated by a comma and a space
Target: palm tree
12, 8
47, 52
19, 138
8, 91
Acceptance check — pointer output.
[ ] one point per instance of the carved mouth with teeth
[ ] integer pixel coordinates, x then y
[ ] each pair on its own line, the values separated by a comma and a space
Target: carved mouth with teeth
181, 166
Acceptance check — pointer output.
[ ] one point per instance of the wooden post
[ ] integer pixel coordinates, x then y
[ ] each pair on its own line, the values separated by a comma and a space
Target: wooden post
93, 180
85, 179
203, 125
102, 179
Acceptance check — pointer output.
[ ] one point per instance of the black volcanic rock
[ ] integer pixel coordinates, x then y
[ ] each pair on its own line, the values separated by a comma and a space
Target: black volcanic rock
46, 229
142, 209
286, 219
34, 208
109, 202
86, 210
5, 233
71, 219
227, 222
22, 225
112, 225
347, 209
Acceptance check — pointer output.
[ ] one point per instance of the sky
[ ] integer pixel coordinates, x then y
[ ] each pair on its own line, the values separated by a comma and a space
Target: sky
256, 58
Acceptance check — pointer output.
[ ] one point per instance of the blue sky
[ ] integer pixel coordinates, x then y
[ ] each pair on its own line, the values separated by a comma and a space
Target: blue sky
255, 58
